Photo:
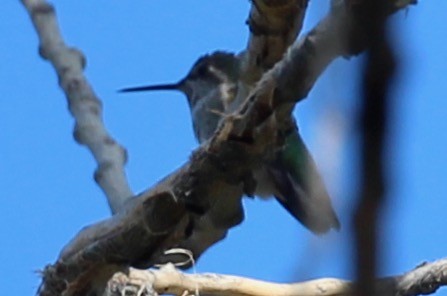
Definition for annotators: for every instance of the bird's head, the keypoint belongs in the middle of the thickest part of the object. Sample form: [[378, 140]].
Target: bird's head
[[207, 74]]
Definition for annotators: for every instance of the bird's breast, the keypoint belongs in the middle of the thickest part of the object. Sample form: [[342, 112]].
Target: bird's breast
[[206, 116], [265, 188]]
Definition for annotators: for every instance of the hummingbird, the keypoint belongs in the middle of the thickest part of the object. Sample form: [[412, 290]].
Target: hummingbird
[[211, 88]]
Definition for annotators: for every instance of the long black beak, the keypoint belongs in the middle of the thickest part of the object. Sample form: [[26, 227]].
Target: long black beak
[[171, 86]]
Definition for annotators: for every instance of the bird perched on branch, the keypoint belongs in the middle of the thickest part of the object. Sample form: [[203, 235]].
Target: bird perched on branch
[[211, 87]]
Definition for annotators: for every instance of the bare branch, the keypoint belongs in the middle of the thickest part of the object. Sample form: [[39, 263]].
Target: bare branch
[[424, 279], [274, 26], [339, 34], [83, 104]]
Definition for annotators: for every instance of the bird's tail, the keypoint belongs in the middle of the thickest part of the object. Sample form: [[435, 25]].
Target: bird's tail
[[300, 188]]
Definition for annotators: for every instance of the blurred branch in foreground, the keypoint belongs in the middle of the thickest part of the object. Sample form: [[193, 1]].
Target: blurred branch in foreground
[[378, 74]]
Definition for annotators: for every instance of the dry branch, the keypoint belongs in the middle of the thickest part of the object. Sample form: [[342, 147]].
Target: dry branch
[[196, 205], [83, 104], [274, 26], [424, 279]]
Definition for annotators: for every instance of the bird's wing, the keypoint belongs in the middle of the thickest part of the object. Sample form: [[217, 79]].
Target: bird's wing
[[300, 188]]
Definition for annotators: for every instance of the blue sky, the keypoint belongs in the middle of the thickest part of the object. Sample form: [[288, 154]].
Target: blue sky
[[48, 193]]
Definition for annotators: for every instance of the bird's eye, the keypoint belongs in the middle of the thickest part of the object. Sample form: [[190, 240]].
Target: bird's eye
[[202, 70]]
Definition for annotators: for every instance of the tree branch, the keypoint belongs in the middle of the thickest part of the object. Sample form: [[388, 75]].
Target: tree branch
[[274, 25], [424, 279], [84, 105], [378, 73]]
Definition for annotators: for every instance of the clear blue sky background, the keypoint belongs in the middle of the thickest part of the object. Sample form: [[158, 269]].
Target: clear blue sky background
[[47, 190]]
